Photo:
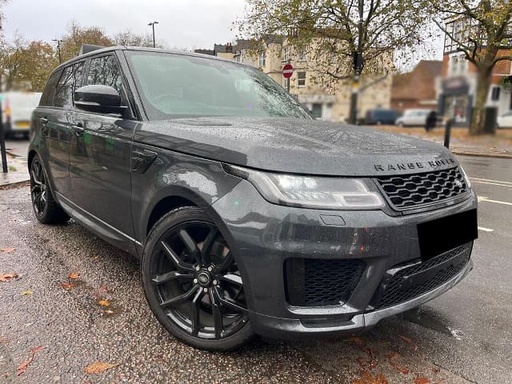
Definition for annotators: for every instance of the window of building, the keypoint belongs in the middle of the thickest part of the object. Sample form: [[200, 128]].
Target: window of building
[[262, 59], [286, 53], [316, 111], [495, 93], [70, 80], [458, 65], [302, 56], [301, 79]]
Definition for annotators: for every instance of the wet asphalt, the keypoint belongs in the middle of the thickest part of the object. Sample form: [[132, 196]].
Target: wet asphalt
[[463, 336]]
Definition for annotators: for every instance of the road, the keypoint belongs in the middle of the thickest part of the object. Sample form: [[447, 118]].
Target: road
[[463, 336]]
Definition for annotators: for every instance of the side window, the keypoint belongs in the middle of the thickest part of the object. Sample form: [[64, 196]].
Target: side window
[[49, 90], [105, 71], [70, 80]]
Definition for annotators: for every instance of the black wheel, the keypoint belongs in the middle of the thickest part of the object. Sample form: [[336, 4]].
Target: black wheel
[[46, 209], [193, 284]]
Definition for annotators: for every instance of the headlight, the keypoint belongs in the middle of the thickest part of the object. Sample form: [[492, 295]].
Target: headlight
[[309, 191], [468, 182]]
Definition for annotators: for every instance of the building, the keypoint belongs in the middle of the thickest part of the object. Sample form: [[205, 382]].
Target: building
[[457, 88], [418, 88], [329, 103]]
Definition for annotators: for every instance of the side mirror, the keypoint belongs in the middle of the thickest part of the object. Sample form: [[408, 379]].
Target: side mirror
[[99, 98]]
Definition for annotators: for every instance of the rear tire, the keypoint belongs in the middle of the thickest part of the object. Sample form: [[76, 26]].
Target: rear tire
[[46, 209]]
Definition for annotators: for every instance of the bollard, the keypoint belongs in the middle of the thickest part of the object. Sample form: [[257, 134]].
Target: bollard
[[447, 132], [2, 142]]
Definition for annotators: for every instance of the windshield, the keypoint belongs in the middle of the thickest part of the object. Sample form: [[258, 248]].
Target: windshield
[[173, 85]]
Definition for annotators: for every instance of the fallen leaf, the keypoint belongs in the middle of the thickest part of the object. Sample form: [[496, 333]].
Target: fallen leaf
[[8, 276], [355, 339], [26, 292], [7, 250], [104, 303], [66, 286], [402, 370], [23, 366], [368, 378], [421, 380], [74, 275], [407, 340], [98, 367]]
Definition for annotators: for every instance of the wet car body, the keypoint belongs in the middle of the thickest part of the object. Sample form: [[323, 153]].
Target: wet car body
[[304, 270]]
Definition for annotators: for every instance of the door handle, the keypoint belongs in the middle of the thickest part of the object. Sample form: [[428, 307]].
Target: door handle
[[79, 129]]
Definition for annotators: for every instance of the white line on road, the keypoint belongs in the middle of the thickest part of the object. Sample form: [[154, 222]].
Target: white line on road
[[498, 183], [486, 199], [485, 229]]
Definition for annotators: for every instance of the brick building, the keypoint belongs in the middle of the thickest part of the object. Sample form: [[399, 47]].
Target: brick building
[[416, 89]]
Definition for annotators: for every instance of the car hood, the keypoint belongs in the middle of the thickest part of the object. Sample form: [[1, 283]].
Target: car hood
[[296, 145]]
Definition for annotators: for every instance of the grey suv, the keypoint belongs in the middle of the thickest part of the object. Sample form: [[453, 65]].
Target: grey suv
[[248, 216]]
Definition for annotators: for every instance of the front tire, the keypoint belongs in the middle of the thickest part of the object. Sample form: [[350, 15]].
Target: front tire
[[193, 284], [46, 209]]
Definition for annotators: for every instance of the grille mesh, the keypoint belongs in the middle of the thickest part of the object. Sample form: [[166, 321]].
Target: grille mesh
[[394, 290], [410, 191], [317, 282]]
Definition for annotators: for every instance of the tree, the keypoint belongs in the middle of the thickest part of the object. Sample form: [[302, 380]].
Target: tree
[[129, 38], [343, 38], [481, 30], [76, 36]]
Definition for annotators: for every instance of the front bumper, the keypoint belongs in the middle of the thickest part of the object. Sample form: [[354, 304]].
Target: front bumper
[[386, 274]]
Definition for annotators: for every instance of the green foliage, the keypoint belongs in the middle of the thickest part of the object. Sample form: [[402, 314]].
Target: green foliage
[[76, 36], [330, 31]]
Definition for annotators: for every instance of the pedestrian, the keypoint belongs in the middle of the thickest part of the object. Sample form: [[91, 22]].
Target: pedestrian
[[431, 121]]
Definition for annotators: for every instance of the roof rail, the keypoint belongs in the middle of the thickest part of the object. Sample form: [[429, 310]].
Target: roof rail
[[86, 48]]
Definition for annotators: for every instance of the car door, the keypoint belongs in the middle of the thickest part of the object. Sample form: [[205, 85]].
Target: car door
[[53, 118], [100, 157]]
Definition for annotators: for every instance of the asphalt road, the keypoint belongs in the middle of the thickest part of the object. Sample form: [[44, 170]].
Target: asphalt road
[[464, 336]]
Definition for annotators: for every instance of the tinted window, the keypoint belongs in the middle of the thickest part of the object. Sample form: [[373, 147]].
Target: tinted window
[[70, 80], [49, 90], [180, 85], [105, 71]]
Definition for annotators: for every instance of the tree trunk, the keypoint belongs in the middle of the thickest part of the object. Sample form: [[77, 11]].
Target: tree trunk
[[478, 116]]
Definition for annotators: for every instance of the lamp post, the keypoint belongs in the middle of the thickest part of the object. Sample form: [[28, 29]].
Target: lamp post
[[152, 25], [58, 48], [357, 66]]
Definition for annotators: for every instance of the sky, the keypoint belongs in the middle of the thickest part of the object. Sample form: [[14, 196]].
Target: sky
[[182, 24]]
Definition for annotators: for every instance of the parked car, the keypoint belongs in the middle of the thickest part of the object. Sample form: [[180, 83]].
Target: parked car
[[249, 217], [504, 121], [413, 117], [17, 107], [380, 116]]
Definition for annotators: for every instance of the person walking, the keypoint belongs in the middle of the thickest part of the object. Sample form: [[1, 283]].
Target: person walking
[[431, 121]]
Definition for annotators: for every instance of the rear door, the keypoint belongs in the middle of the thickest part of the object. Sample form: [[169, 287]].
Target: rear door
[[101, 156]]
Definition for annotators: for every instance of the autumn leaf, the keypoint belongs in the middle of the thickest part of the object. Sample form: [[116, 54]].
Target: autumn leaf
[[368, 378], [98, 367], [421, 380], [104, 303], [66, 286], [407, 340], [8, 276], [7, 250], [402, 370], [23, 366], [27, 292], [74, 275]]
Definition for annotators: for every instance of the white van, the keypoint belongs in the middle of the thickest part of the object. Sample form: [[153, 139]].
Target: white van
[[17, 110], [413, 117]]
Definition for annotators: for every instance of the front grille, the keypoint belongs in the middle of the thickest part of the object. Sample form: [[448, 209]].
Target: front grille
[[413, 191], [317, 282], [401, 283]]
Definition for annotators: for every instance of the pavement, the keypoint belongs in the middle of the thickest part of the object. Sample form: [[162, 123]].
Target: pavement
[[461, 143]]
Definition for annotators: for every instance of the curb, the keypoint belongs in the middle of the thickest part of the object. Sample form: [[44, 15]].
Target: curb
[[476, 154]]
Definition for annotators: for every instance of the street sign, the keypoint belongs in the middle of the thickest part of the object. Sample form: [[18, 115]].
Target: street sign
[[287, 71]]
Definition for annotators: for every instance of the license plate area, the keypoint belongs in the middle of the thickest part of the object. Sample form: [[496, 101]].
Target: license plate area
[[441, 235]]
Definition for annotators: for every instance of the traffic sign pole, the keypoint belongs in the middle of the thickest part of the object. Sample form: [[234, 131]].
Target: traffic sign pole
[[287, 73], [2, 142]]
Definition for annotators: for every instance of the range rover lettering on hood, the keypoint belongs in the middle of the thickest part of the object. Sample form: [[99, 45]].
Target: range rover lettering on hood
[[414, 166]]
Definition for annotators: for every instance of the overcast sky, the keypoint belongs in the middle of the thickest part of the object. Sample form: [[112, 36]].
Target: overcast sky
[[184, 24]]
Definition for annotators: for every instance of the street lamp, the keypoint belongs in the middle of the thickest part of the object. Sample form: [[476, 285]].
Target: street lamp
[[152, 25], [357, 66], [58, 48]]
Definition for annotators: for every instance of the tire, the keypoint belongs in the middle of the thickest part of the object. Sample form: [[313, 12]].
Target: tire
[[192, 282], [401, 124], [46, 209]]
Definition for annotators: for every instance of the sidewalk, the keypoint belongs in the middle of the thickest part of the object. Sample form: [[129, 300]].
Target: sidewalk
[[461, 143]]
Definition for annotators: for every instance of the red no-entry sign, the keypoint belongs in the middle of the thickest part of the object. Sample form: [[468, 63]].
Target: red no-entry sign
[[287, 71]]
